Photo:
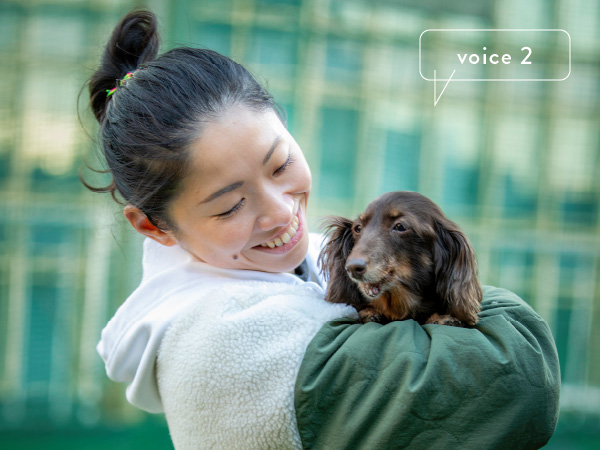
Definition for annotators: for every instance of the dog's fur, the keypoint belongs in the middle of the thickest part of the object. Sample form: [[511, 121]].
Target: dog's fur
[[402, 259]]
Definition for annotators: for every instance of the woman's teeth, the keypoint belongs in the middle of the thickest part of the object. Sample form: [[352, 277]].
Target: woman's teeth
[[285, 237]]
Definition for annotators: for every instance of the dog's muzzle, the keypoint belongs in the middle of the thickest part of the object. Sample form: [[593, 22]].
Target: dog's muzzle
[[356, 268]]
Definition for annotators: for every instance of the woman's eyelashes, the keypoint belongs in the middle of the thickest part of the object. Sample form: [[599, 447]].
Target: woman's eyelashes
[[232, 211], [289, 161]]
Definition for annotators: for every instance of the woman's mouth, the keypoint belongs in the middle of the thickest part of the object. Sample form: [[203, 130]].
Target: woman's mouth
[[286, 240]]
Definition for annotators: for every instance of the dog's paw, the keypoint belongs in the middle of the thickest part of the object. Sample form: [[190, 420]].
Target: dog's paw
[[445, 320], [370, 315]]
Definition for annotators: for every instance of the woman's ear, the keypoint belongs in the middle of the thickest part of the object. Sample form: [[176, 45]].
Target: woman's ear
[[142, 225]]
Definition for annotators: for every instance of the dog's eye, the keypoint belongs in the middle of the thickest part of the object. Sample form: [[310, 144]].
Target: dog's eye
[[400, 227], [357, 228]]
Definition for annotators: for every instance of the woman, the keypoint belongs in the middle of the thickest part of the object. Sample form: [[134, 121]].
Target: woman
[[228, 332]]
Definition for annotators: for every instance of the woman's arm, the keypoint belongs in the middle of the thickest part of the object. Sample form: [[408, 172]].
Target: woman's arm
[[403, 385]]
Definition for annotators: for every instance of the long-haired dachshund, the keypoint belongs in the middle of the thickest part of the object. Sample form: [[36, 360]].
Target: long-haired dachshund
[[402, 259]]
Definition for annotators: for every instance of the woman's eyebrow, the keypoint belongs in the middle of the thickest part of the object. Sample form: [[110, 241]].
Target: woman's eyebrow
[[225, 190], [272, 149]]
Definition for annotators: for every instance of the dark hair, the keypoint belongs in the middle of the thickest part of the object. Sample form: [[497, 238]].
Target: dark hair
[[149, 121]]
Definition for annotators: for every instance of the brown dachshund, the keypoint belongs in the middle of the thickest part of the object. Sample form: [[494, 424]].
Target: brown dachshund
[[402, 259]]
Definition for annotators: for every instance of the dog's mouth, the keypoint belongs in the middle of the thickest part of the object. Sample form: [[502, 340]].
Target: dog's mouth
[[372, 290]]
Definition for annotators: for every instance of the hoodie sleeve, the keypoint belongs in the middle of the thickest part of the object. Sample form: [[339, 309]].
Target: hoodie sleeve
[[403, 385]]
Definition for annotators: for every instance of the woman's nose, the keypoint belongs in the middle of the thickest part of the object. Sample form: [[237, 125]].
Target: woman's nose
[[276, 211]]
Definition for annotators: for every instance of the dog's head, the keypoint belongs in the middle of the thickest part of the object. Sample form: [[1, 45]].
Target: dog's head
[[402, 241]]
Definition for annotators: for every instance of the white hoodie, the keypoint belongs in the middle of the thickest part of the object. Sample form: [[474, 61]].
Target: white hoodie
[[173, 282]]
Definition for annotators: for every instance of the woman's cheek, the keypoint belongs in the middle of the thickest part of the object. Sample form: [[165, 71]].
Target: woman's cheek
[[232, 235]]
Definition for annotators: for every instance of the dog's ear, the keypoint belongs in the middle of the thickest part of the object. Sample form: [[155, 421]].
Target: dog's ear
[[340, 288], [456, 272]]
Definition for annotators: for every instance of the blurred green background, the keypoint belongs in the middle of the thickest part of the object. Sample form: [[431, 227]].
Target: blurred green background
[[516, 164]]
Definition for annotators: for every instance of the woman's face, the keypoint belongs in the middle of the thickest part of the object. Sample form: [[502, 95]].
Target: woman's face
[[243, 203]]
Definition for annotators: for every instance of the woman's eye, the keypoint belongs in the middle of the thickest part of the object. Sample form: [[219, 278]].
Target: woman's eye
[[400, 227], [232, 211], [285, 165]]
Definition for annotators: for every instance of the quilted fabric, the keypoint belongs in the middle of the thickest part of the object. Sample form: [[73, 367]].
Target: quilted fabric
[[403, 385]]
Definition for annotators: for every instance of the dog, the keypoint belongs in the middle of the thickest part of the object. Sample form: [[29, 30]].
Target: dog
[[402, 259]]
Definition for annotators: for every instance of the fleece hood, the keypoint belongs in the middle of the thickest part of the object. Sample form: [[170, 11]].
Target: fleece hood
[[172, 282]]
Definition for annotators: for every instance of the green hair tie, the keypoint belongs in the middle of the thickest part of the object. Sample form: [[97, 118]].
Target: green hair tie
[[127, 76]]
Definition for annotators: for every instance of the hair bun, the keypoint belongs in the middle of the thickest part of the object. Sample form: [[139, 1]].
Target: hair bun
[[133, 42]]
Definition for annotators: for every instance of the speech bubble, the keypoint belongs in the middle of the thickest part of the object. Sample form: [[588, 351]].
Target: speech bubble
[[494, 55]]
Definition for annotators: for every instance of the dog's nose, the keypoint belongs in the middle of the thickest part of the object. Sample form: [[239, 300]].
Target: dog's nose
[[356, 267]]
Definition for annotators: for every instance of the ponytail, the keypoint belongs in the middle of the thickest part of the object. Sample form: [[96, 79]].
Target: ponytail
[[134, 42]]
